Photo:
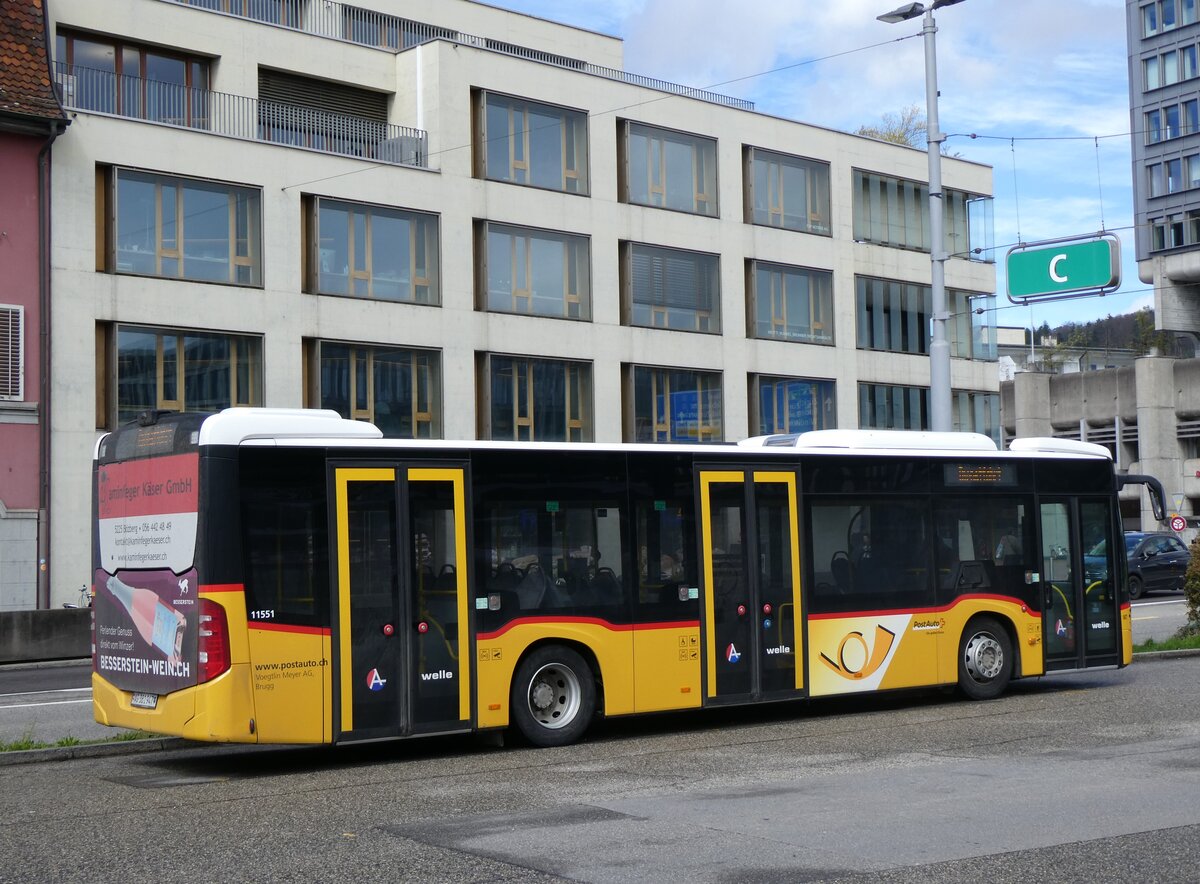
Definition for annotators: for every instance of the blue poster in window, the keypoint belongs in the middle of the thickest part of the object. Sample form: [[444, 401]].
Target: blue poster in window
[[685, 414], [800, 407]]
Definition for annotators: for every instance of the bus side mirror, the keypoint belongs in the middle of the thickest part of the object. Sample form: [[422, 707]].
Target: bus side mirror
[[1155, 489]]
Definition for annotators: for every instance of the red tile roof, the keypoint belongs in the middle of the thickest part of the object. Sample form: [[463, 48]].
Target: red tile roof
[[25, 86]]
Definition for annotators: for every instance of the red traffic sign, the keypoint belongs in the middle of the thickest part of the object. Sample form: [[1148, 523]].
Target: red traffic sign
[[1178, 523]]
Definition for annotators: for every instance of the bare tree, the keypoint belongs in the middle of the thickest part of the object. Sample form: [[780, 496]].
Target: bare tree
[[907, 127]]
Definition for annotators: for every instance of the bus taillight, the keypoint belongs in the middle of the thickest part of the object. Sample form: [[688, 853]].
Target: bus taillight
[[214, 641]]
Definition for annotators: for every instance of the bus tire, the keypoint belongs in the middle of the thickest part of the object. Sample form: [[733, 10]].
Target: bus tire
[[985, 659], [553, 696]]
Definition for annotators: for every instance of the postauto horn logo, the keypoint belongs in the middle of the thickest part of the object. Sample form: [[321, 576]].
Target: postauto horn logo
[[856, 658]]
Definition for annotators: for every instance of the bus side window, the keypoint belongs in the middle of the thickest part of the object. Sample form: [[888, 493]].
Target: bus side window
[[665, 571]]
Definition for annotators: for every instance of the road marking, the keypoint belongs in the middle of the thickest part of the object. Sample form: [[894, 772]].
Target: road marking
[[36, 693], [52, 703]]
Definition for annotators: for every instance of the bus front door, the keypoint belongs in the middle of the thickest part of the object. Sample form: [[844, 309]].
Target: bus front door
[[1081, 618], [751, 566], [402, 621]]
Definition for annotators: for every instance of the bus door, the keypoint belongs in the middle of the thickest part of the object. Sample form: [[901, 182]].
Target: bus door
[[1081, 615], [751, 565], [402, 622]]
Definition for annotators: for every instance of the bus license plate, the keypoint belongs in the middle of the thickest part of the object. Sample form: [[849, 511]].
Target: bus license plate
[[144, 701]]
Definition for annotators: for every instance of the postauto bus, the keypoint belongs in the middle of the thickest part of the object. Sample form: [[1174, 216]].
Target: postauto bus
[[288, 576]]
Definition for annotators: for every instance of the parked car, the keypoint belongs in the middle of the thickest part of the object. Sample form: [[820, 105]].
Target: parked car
[[1156, 561]]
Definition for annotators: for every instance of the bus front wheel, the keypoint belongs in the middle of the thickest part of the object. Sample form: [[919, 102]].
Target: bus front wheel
[[553, 696], [985, 659]]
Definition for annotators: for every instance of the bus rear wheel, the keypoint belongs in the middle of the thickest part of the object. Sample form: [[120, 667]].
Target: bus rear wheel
[[985, 659], [553, 696]]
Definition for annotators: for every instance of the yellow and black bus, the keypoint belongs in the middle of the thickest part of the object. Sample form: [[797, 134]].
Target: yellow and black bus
[[288, 576]]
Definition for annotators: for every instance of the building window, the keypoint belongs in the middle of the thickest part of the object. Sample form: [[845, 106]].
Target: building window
[[1172, 121], [1151, 75], [975, 412], [889, 407], [1174, 175], [786, 191], [1165, 15], [523, 142], [891, 211], [1154, 132], [895, 212], [1170, 68], [895, 316], [184, 228], [535, 400], [673, 405], [398, 390], [670, 170], [1187, 62], [1191, 171], [790, 303], [174, 370], [538, 272], [107, 76], [12, 352], [671, 288], [1157, 186], [370, 251], [1173, 231], [791, 405]]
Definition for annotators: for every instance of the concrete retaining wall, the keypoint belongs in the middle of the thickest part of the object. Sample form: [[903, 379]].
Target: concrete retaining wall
[[62, 634]]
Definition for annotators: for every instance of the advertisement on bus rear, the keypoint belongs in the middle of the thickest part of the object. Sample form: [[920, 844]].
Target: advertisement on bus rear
[[146, 605], [146, 629], [146, 512]]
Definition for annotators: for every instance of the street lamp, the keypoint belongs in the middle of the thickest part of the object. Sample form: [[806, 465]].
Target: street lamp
[[939, 348]]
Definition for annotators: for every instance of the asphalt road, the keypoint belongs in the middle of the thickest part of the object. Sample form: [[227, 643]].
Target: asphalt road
[[1083, 778]]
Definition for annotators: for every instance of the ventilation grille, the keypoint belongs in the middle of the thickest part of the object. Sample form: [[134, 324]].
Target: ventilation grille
[[12, 353], [334, 98]]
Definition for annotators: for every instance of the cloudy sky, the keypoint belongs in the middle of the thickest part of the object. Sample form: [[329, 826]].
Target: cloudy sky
[[1051, 71]]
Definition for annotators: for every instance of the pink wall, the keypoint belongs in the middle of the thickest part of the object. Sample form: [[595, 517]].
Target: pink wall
[[19, 285]]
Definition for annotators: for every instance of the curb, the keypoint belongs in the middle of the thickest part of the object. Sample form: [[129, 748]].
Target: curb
[[96, 750], [1166, 655]]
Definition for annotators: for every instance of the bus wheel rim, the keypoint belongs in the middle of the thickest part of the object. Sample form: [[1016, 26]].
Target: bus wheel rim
[[984, 657], [554, 696]]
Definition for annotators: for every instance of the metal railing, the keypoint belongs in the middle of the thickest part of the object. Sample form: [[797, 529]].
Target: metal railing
[[170, 104], [366, 27]]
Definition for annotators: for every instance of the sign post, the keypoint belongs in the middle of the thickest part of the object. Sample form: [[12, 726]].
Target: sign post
[[1054, 269]]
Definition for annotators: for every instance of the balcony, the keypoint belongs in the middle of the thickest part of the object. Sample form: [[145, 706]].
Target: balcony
[[366, 27], [235, 116]]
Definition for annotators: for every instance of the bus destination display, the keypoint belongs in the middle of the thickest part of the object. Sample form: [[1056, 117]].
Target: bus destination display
[[958, 475]]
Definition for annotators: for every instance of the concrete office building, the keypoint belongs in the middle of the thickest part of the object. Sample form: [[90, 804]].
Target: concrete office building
[[462, 222], [1164, 110], [1147, 414]]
